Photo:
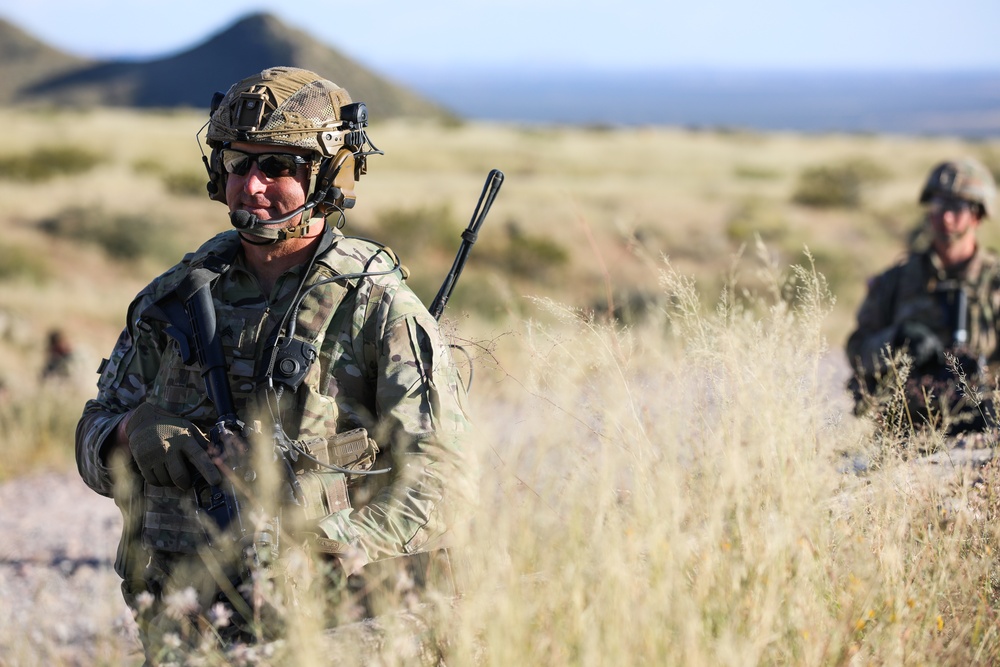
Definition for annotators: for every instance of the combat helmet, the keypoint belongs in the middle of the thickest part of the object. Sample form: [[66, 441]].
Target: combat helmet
[[965, 178], [289, 106]]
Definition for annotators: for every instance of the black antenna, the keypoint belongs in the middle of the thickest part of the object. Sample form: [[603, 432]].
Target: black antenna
[[493, 182]]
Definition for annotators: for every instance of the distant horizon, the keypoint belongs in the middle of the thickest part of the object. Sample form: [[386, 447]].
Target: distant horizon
[[550, 70], [948, 97], [964, 104]]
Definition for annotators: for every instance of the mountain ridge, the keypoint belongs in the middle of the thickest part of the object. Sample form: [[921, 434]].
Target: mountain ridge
[[35, 73]]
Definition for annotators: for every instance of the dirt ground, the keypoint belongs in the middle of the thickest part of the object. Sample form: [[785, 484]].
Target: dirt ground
[[57, 581]]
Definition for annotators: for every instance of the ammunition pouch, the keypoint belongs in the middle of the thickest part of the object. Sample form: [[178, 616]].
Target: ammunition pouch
[[326, 491], [352, 450]]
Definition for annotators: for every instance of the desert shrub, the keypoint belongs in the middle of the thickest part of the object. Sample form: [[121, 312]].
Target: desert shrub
[[185, 183], [630, 306], [121, 236], [838, 186], [18, 262], [755, 172], [35, 427], [524, 255], [415, 230], [48, 162], [148, 166], [754, 217], [485, 294]]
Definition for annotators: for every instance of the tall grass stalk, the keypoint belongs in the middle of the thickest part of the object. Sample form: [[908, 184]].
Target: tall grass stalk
[[37, 427], [674, 498], [672, 494]]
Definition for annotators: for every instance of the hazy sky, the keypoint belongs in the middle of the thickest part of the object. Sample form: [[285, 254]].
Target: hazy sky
[[399, 35]]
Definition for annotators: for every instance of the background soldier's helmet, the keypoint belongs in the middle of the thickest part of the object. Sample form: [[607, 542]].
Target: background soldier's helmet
[[967, 179], [288, 106]]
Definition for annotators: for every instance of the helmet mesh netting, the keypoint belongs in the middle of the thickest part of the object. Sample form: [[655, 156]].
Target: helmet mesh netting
[[302, 115]]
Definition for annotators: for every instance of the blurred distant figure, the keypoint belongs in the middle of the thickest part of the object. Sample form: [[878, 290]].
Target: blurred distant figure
[[939, 305], [59, 357]]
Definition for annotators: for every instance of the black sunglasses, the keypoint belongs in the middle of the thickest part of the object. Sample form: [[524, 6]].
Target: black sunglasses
[[272, 165], [940, 205]]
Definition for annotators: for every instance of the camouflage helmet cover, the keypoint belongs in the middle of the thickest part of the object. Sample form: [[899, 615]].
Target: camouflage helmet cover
[[965, 178], [285, 106]]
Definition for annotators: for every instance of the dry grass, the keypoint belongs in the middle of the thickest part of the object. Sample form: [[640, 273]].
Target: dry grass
[[666, 493]]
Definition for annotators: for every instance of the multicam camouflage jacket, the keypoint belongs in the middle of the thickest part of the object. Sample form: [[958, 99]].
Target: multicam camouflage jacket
[[919, 289], [382, 365]]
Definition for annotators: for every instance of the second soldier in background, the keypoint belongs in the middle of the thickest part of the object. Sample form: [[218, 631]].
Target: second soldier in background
[[940, 305]]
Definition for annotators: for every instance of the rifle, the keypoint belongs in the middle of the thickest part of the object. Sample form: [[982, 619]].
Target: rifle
[[189, 314], [490, 189]]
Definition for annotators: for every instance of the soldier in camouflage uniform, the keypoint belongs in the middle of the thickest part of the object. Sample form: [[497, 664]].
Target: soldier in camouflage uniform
[[939, 305], [322, 337]]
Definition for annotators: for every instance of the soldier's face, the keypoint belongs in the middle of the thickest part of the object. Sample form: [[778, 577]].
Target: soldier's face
[[265, 196], [952, 220]]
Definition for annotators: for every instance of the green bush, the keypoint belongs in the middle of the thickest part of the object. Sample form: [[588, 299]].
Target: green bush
[[122, 237], [484, 294], [752, 217], [415, 230], [755, 172], [46, 163], [186, 184], [148, 166], [19, 262], [524, 255], [36, 427], [183, 183], [838, 186]]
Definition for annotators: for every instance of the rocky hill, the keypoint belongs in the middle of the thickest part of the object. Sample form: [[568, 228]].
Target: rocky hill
[[32, 72]]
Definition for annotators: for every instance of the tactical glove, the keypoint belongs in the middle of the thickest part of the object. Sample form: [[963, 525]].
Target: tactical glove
[[168, 449], [921, 343]]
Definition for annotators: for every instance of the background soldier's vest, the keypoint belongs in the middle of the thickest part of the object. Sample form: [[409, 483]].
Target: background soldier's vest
[[962, 313]]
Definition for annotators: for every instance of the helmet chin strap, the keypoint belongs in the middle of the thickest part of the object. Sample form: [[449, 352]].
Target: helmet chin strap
[[268, 235]]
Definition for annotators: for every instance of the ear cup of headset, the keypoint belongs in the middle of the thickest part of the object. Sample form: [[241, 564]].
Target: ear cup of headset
[[337, 174], [216, 185]]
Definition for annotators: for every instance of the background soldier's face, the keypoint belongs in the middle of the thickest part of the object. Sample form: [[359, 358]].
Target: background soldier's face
[[952, 219]]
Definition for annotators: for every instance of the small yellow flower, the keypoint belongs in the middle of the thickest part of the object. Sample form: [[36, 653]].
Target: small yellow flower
[[940, 623], [860, 625]]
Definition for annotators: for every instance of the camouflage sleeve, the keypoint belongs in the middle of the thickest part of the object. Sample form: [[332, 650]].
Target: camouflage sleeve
[[122, 386], [422, 416], [875, 326]]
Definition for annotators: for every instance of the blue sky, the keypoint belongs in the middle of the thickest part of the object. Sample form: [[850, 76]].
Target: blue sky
[[403, 35]]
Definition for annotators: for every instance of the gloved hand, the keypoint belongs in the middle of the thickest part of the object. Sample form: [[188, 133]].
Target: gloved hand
[[168, 449], [923, 344]]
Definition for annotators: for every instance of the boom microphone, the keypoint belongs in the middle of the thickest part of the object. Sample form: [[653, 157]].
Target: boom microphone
[[242, 219], [245, 220]]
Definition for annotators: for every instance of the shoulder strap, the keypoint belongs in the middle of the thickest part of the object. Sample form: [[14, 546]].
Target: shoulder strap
[[319, 311], [371, 312]]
